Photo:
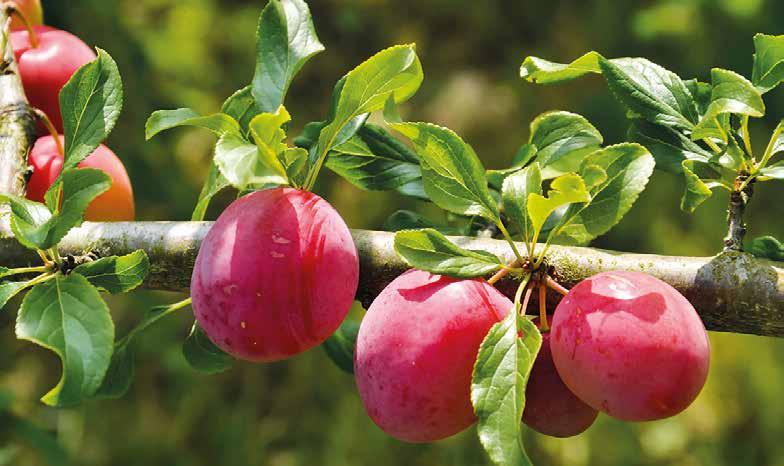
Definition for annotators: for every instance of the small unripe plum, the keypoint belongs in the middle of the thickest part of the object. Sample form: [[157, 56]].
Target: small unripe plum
[[416, 351], [115, 205], [630, 345], [32, 11], [550, 407], [275, 276], [45, 69]]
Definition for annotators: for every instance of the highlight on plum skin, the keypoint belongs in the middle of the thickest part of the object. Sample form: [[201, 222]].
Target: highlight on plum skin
[[550, 407], [630, 345], [416, 350], [275, 276]]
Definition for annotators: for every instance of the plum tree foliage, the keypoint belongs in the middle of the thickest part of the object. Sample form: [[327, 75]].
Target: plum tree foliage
[[440, 348]]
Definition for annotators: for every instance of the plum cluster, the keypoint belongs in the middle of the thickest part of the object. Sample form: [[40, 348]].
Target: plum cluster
[[47, 59]]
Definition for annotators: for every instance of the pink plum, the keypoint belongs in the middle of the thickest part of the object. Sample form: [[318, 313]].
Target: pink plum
[[630, 345], [275, 276]]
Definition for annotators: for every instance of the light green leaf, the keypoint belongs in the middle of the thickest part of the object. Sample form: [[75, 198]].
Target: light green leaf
[[432, 252], [539, 71], [10, 289], [731, 94], [67, 316], [90, 104], [700, 179], [341, 345], [768, 69], [515, 194], [243, 163], [203, 355], [295, 161], [241, 106], [564, 190], [773, 172], [218, 123], [453, 175], [562, 140], [116, 274], [498, 386], [267, 132], [29, 220], [286, 40]]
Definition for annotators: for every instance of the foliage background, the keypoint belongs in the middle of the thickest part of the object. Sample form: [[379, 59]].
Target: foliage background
[[194, 53]]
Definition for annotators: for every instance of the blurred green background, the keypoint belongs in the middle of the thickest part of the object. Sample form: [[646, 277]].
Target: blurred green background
[[195, 53]]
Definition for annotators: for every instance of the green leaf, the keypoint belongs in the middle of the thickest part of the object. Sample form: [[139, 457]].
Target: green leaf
[[241, 106], [767, 247], [515, 194], [656, 94], [243, 163], [10, 289], [668, 147], [562, 140], [539, 71], [203, 355], [215, 183], [698, 190], [453, 175], [564, 190], [768, 69], [731, 94], [286, 40], [116, 274], [90, 104], [67, 316], [295, 161], [432, 252], [341, 345], [498, 386], [29, 220], [374, 160], [218, 123], [772, 172], [627, 168], [701, 92]]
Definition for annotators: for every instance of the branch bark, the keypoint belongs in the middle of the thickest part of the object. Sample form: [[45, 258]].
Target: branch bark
[[733, 292]]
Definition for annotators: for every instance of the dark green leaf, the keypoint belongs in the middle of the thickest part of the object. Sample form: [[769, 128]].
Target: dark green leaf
[[203, 355], [242, 107], [669, 147], [90, 104], [515, 194], [768, 69], [215, 183], [432, 252], [562, 140], [29, 220], [67, 316], [700, 179], [767, 247], [10, 289], [295, 161], [524, 155], [539, 71], [116, 274], [341, 345], [218, 123]]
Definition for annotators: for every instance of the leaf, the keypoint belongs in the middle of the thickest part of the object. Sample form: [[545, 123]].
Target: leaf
[[116, 274], [562, 140], [28, 220], [564, 190], [432, 252], [374, 160], [341, 345], [539, 71], [656, 94], [215, 183], [668, 147], [767, 247], [241, 106], [731, 94], [67, 316], [10, 289], [268, 134], [203, 355], [218, 123], [90, 104], [242, 163], [697, 190], [768, 70], [453, 175], [515, 194], [773, 172], [286, 40], [295, 161], [627, 168], [498, 386]]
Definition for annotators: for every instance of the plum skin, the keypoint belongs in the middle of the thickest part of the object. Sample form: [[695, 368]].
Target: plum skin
[[630, 345], [416, 350], [550, 407], [275, 276]]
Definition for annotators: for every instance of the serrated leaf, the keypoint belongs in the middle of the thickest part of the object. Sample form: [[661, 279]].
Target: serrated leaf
[[10, 289], [243, 163], [432, 252], [162, 120], [453, 175], [286, 40], [241, 106], [562, 140], [767, 247], [203, 355], [627, 168], [116, 274], [341, 345], [768, 70], [564, 190], [539, 71], [514, 195], [28, 220], [67, 316], [731, 94], [668, 147], [500, 376], [90, 104], [697, 190], [651, 91]]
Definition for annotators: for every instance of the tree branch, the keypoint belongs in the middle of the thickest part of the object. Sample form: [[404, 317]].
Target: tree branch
[[733, 292]]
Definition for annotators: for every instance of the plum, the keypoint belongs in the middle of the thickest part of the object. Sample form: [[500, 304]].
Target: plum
[[550, 407], [630, 345], [275, 276], [416, 351]]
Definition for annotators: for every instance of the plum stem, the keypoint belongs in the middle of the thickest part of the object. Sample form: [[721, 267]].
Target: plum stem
[[13, 9], [543, 325], [555, 285], [44, 118], [528, 291]]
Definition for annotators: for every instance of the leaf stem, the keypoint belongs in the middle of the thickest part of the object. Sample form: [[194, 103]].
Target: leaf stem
[[511, 242], [12, 8], [769, 149], [543, 325], [712, 145], [24, 270], [518, 295], [44, 118], [555, 285], [514, 265]]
